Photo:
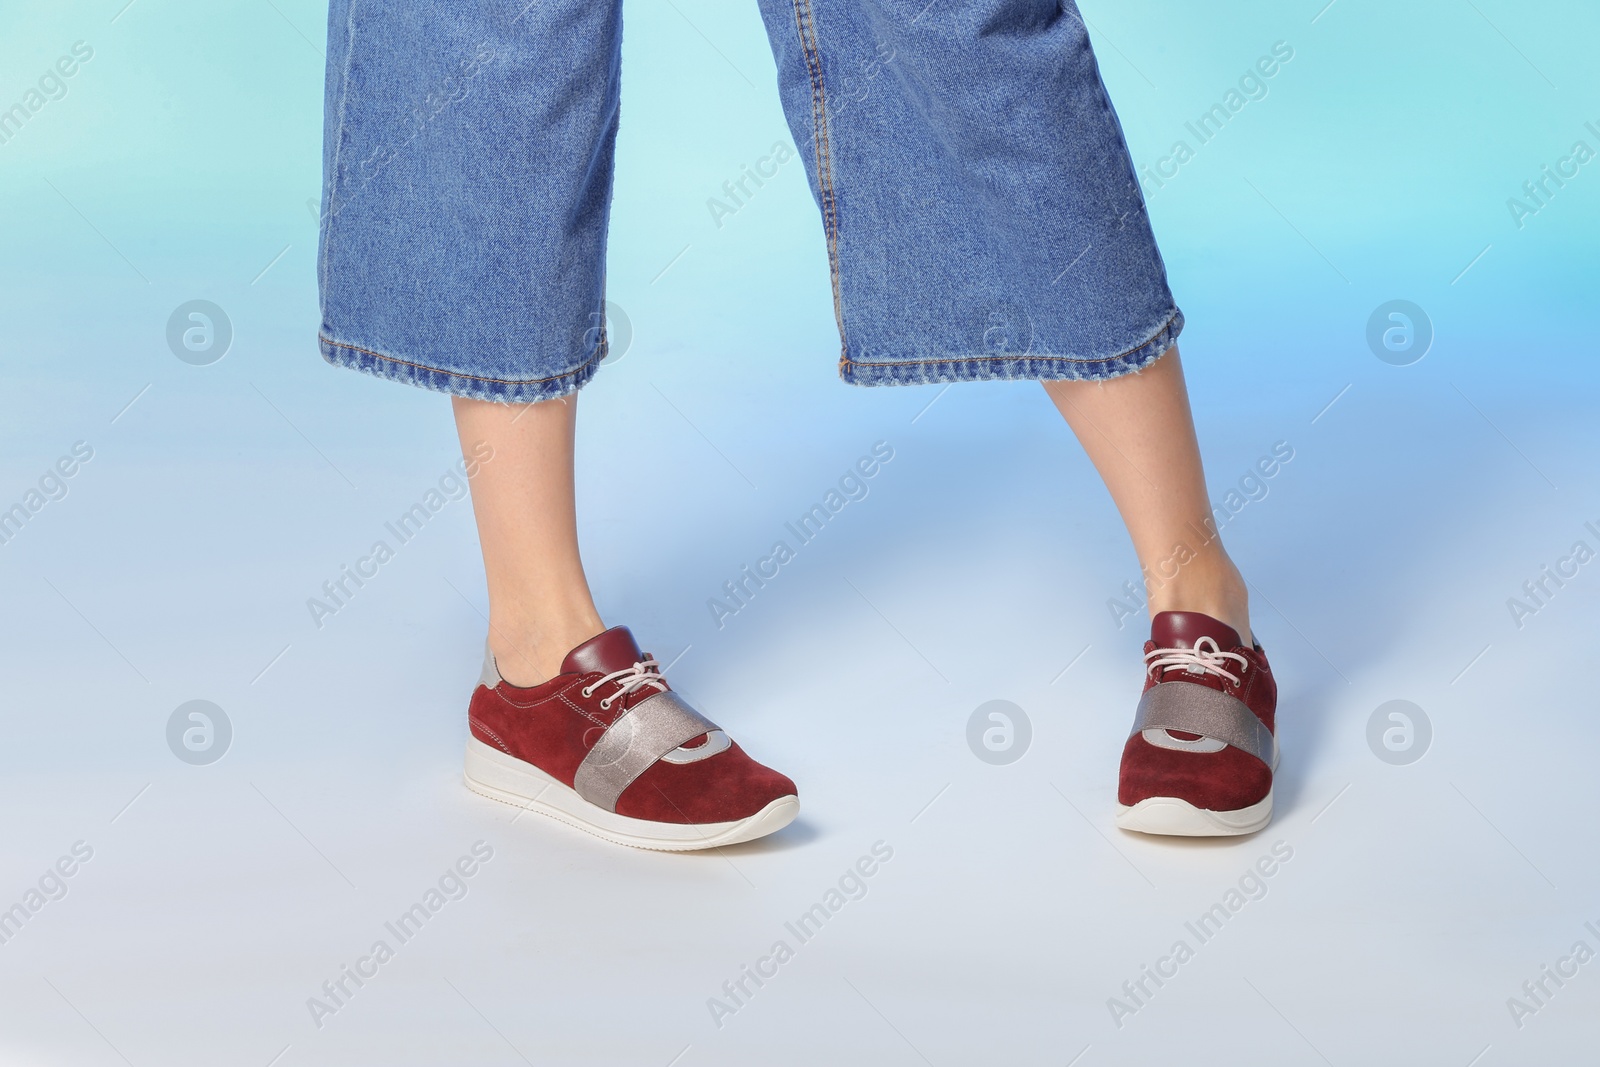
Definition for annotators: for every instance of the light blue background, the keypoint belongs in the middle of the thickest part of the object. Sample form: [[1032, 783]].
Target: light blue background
[[180, 165]]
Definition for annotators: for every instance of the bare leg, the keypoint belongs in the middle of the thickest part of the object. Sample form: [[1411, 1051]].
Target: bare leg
[[1139, 433], [539, 602]]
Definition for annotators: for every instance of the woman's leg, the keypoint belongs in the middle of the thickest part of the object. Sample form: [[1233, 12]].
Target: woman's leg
[[984, 220], [1138, 431], [1200, 759], [571, 719], [468, 163], [539, 601], [468, 157]]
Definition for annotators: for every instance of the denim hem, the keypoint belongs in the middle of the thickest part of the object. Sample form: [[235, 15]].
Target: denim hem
[[467, 385], [806, 28], [967, 368]]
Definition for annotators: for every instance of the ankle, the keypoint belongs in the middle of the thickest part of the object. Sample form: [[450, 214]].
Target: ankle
[[529, 652], [1217, 590]]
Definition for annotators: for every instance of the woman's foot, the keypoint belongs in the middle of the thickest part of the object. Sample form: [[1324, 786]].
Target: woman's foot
[[606, 745], [1200, 759]]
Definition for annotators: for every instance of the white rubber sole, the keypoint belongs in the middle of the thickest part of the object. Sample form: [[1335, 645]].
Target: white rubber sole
[[505, 778], [1173, 817]]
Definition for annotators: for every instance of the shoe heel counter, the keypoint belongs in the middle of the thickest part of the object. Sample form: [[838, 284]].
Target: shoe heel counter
[[491, 673]]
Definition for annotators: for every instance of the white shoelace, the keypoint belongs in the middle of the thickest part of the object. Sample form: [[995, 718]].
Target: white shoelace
[[644, 672], [1196, 660]]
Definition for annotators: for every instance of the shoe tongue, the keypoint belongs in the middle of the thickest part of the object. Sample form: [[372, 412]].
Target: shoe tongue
[[613, 650], [1181, 629]]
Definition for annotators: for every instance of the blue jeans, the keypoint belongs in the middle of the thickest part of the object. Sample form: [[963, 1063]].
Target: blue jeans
[[980, 212]]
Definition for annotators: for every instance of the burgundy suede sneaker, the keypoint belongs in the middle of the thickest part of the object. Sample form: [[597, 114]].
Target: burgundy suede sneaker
[[608, 747], [1200, 759]]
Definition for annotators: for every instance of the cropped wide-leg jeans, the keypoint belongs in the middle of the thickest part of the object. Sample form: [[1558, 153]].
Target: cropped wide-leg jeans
[[979, 211]]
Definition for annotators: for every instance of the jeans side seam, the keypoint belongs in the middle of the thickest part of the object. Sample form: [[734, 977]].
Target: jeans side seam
[[1015, 357], [805, 25], [599, 355], [326, 221], [1130, 174]]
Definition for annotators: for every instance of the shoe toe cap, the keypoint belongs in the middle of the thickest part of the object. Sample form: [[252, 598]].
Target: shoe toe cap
[[722, 788], [1225, 780]]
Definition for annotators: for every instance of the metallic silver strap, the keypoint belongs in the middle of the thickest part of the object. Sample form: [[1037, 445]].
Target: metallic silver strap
[[1199, 709], [633, 743]]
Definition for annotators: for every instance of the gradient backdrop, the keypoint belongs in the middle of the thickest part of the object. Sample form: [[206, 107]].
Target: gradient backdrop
[[1426, 884]]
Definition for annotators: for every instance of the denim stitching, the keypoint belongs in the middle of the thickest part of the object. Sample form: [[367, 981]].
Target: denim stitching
[[1130, 176], [458, 374], [805, 25], [1041, 358], [326, 222]]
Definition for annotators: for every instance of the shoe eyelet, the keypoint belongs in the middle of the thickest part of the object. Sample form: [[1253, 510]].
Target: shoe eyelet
[[605, 705], [588, 691]]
